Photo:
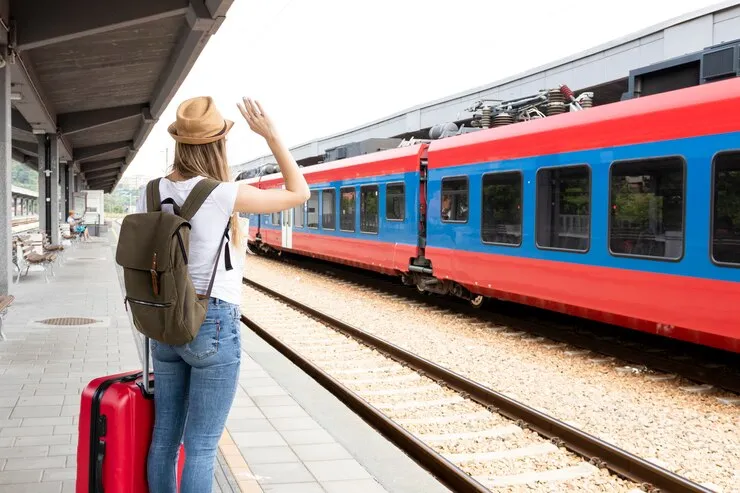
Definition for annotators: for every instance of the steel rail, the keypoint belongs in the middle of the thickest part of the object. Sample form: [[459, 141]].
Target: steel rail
[[597, 451], [444, 470]]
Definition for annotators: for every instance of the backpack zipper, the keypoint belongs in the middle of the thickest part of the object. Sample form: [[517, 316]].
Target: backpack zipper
[[127, 300]]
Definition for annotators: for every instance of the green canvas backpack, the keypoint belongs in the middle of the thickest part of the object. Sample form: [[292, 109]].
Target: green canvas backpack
[[153, 250]]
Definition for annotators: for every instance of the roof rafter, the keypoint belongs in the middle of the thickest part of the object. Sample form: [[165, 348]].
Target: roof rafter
[[45, 22], [89, 166], [79, 121]]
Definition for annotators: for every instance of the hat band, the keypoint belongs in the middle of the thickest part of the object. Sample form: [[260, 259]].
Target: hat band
[[220, 132]]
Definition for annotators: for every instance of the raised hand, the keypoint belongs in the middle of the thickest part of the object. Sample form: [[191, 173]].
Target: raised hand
[[257, 119]]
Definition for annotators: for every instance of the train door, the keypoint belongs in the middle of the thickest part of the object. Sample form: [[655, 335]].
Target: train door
[[287, 227]]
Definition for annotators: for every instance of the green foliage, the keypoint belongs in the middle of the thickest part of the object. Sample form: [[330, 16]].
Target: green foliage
[[727, 199], [119, 201], [24, 177]]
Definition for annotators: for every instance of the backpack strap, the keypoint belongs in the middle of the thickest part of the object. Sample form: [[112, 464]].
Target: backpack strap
[[196, 197], [153, 200], [195, 200], [218, 254]]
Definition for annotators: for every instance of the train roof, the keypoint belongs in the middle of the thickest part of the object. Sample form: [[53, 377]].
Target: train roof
[[700, 110], [381, 163]]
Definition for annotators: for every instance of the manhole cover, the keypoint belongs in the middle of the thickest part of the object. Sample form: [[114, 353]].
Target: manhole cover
[[69, 321]]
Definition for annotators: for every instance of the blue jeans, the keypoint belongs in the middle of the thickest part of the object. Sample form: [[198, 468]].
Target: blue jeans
[[194, 388]]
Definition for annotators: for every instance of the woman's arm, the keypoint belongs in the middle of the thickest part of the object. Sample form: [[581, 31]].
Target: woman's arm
[[253, 200]]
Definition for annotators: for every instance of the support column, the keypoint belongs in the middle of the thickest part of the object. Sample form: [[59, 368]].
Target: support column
[[6, 164], [43, 182], [54, 158], [70, 187]]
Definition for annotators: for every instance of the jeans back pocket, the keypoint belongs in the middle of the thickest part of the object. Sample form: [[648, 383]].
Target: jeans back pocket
[[206, 342]]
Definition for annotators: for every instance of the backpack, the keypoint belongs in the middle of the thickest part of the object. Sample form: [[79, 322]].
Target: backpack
[[153, 250]]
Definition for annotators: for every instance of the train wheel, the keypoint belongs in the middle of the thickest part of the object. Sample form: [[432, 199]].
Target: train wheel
[[477, 301]]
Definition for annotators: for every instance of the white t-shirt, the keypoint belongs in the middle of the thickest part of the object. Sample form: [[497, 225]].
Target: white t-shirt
[[205, 236]]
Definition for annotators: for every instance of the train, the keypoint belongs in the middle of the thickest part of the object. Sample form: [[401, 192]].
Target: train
[[626, 213]]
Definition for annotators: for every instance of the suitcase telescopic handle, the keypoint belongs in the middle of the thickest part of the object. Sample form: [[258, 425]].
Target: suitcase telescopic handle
[[145, 380]]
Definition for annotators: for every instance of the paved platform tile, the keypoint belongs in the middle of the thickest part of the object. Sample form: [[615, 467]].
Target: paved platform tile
[[282, 472], [337, 470], [321, 451], [311, 487], [268, 455]]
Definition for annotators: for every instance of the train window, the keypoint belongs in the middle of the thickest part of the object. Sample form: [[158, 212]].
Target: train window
[[275, 218], [726, 209], [454, 204], [564, 208], [298, 216], [647, 208], [313, 210], [501, 221], [347, 206], [328, 217], [369, 209], [395, 202]]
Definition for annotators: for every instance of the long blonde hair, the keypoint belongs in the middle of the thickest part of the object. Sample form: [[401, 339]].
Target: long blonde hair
[[207, 160]]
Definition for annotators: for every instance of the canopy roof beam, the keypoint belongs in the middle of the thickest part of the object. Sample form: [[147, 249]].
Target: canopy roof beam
[[80, 121], [46, 22]]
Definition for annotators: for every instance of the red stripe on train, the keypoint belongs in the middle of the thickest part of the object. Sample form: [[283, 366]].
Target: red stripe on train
[[695, 111], [655, 303]]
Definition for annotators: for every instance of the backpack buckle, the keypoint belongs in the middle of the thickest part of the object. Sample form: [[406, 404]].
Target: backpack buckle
[[155, 277]]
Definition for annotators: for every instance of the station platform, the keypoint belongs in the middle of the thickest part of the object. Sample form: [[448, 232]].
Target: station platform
[[285, 433]]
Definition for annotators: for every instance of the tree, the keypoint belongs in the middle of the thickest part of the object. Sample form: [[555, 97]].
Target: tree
[[24, 177]]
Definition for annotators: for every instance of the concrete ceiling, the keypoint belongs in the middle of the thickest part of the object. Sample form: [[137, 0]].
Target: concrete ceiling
[[99, 73]]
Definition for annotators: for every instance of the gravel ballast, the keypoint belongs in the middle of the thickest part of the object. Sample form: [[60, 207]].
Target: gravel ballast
[[692, 434], [493, 449]]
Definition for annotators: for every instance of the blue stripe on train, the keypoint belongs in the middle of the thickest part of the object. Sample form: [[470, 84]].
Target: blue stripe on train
[[697, 152], [388, 231]]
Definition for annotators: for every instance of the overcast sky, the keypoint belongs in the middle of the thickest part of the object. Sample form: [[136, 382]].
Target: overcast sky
[[322, 66]]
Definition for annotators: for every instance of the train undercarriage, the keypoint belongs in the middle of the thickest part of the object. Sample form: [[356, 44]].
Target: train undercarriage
[[422, 277]]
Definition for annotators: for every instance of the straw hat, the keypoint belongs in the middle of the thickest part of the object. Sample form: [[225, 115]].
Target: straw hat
[[199, 122]]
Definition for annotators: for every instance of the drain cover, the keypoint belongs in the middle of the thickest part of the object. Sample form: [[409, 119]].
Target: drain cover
[[69, 321]]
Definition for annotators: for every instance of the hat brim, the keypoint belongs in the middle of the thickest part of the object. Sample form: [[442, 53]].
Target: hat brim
[[172, 130]]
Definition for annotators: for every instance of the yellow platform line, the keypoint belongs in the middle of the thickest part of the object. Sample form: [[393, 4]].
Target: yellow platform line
[[239, 468]]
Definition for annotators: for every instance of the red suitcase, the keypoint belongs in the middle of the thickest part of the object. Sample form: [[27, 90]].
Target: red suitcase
[[115, 430]]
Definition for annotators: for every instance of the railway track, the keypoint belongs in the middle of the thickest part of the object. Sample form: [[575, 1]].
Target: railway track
[[472, 438], [24, 220], [658, 357]]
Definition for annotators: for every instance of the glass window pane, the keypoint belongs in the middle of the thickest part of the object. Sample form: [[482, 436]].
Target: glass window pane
[[275, 218], [298, 216], [313, 210], [726, 216], [502, 208], [347, 205], [395, 202], [369, 209], [328, 220], [563, 208], [647, 208], [454, 199]]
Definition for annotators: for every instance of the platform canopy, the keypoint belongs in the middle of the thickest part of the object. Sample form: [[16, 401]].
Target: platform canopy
[[99, 74]]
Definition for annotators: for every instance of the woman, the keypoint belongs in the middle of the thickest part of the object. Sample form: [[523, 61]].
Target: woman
[[195, 383]]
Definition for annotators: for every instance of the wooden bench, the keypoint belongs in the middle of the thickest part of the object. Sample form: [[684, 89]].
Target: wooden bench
[[5, 302], [26, 257]]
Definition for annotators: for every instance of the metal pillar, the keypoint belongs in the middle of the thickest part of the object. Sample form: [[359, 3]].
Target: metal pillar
[[6, 164], [43, 187], [70, 188], [53, 219]]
